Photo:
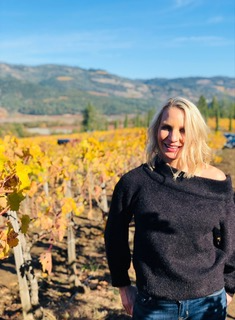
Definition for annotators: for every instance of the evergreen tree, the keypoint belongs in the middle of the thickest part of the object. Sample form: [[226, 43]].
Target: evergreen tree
[[203, 107], [137, 121], [106, 125], [225, 109], [126, 121], [216, 111], [231, 116], [116, 124], [90, 116]]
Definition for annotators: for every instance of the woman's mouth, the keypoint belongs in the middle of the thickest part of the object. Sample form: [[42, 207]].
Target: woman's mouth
[[171, 148]]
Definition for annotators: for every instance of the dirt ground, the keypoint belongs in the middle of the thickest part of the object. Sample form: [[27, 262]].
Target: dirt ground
[[95, 299]]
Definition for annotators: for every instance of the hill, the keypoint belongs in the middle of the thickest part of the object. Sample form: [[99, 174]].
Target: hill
[[57, 89]]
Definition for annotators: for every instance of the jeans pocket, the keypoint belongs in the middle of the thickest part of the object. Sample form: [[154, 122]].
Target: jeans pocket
[[143, 299], [149, 308]]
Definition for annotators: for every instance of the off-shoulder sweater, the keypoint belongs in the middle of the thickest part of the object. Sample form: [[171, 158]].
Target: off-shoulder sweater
[[184, 242]]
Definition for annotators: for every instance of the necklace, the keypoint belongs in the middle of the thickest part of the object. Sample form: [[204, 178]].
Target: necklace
[[176, 174]]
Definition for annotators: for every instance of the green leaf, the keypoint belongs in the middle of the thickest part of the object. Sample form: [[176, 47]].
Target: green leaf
[[25, 220], [14, 200]]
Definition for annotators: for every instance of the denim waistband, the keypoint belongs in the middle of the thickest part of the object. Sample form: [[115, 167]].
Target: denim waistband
[[216, 293], [147, 296]]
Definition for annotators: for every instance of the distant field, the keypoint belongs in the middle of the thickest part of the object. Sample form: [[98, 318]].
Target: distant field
[[68, 123], [22, 118]]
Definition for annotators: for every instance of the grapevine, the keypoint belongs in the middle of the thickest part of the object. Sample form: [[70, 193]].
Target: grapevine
[[47, 184]]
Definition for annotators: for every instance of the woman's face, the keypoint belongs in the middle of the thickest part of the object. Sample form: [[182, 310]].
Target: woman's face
[[171, 135]]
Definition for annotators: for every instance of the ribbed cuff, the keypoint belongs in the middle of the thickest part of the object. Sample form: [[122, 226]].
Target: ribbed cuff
[[121, 281]]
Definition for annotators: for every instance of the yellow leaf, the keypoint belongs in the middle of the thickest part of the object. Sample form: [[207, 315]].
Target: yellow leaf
[[3, 202], [2, 164], [4, 251], [35, 151], [4, 247], [46, 261], [61, 225], [22, 172], [12, 239], [67, 205]]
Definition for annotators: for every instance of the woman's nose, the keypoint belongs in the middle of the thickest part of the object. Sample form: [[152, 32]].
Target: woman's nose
[[174, 135]]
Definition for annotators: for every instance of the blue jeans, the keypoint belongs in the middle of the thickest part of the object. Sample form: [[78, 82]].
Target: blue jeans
[[212, 307]]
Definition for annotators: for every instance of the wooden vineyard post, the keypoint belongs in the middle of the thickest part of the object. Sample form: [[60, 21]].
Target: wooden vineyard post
[[71, 245], [46, 188], [34, 291], [104, 201], [22, 280], [31, 277], [30, 274]]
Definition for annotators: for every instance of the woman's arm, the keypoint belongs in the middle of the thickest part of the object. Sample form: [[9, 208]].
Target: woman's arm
[[128, 296], [228, 245], [229, 298], [116, 235]]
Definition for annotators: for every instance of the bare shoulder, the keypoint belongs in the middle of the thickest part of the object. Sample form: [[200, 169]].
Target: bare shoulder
[[211, 172]]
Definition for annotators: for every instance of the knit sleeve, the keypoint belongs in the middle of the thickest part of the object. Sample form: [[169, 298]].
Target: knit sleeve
[[116, 234], [229, 270]]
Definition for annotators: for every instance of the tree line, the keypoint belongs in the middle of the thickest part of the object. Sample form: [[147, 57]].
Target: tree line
[[94, 120]]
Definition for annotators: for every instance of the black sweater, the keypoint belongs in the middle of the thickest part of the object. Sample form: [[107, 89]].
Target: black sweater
[[176, 252]]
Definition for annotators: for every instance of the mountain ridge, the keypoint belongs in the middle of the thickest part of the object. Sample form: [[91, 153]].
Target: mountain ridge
[[59, 89]]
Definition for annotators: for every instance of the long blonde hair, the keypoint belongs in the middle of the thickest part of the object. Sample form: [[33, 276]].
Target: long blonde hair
[[196, 152]]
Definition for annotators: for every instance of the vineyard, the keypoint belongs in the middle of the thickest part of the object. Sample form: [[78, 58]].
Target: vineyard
[[54, 202]]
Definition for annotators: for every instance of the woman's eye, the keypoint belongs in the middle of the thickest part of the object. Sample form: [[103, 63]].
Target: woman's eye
[[182, 130], [165, 127]]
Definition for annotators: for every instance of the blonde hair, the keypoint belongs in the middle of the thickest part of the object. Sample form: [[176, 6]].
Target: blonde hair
[[196, 152]]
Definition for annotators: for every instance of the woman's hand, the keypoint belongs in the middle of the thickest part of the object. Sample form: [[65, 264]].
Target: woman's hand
[[229, 299], [128, 295]]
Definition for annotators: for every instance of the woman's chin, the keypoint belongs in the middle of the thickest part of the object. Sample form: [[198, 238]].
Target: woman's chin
[[170, 157]]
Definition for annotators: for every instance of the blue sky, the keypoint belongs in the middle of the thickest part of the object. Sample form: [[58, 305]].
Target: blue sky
[[130, 38]]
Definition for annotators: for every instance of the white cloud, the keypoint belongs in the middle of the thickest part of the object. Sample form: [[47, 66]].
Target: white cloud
[[76, 42], [184, 3], [215, 20], [203, 40]]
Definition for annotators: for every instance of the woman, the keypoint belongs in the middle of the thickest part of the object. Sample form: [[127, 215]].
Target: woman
[[184, 214]]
